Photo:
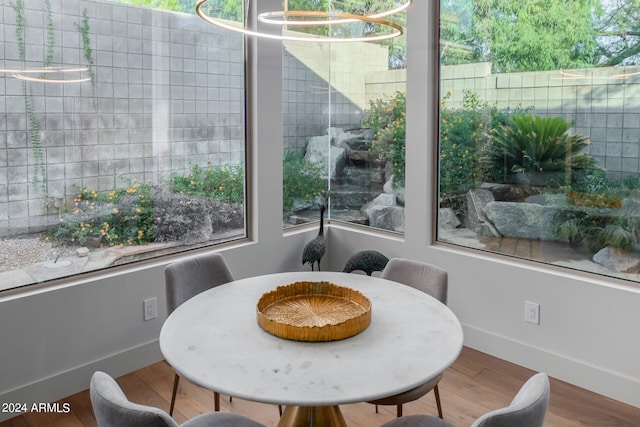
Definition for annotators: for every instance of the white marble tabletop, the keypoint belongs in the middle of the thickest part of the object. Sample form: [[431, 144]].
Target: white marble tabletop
[[215, 341]]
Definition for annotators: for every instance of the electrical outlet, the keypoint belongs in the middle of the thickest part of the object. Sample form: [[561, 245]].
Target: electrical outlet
[[150, 308], [532, 312]]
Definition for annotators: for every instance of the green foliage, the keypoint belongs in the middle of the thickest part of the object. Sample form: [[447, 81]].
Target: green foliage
[[618, 30], [632, 182], [50, 36], [387, 120], [39, 169], [223, 182], [301, 180], [462, 132], [536, 35], [86, 42], [126, 216], [532, 144], [592, 230], [96, 215], [464, 138]]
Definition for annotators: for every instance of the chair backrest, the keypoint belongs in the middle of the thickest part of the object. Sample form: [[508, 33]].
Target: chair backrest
[[428, 278], [527, 409], [190, 276], [112, 408]]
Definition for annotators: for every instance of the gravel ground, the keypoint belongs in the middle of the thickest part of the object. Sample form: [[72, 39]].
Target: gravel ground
[[17, 252]]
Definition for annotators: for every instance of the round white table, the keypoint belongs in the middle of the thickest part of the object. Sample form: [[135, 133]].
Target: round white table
[[214, 341]]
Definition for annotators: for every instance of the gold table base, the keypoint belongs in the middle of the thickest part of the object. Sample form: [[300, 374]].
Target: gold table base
[[312, 416]]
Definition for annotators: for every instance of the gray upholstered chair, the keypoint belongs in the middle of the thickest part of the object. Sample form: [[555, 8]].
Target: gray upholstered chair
[[185, 279], [433, 281], [112, 409], [527, 409]]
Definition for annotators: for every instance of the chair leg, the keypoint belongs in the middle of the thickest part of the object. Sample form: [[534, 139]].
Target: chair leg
[[399, 411], [437, 394], [216, 401], [376, 409], [176, 379], [280, 410]]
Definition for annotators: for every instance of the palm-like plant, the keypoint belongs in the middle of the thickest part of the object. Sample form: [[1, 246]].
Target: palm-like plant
[[529, 144]]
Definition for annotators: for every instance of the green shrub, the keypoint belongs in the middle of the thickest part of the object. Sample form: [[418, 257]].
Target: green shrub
[[594, 231], [222, 182], [462, 132], [387, 120], [532, 144], [301, 180], [119, 218]]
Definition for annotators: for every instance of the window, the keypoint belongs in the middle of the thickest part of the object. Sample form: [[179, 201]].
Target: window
[[344, 131], [539, 132], [129, 142]]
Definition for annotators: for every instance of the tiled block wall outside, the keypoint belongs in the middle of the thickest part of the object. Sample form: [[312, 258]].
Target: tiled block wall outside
[[311, 105], [324, 86]]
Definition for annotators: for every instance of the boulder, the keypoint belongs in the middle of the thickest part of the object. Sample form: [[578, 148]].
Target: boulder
[[190, 219], [397, 191], [523, 220], [506, 192], [618, 260], [476, 219], [447, 219], [383, 212], [319, 150], [387, 217]]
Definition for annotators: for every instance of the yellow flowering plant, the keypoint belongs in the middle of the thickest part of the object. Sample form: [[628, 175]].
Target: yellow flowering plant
[[97, 216], [218, 182]]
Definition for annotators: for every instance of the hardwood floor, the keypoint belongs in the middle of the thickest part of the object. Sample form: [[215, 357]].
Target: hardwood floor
[[475, 384]]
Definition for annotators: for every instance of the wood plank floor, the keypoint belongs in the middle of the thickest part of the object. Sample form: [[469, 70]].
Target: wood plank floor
[[475, 384]]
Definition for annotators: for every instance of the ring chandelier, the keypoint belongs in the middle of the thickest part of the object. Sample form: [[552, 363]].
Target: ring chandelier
[[23, 74], [268, 16], [313, 18]]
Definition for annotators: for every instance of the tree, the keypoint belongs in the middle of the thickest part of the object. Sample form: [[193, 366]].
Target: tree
[[619, 33], [456, 32], [536, 35]]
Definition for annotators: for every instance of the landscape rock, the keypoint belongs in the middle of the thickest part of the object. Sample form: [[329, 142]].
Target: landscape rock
[[523, 220], [447, 219], [191, 219], [319, 150], [384, 212], [618, 260], [506, 192], [82, 252], [397, 191], [476, 219]]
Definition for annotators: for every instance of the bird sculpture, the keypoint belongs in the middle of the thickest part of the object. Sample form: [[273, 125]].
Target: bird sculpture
[[367, 261], [314, 250]]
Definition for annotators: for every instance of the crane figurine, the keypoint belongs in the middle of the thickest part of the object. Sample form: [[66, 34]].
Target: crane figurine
[[367, 261], [314, 250]]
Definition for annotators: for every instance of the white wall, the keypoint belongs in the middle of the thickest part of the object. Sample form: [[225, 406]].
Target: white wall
[[54, 338]]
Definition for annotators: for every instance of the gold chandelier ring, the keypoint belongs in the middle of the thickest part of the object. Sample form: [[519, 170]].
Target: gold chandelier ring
[[397, 29], [272, 17]]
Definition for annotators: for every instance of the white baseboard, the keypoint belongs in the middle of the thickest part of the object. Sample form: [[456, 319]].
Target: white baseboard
[[574, 371], [63, 384]]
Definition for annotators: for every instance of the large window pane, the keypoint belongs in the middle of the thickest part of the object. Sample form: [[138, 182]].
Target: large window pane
[[140, 153], [344, 125], [539, 132]]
